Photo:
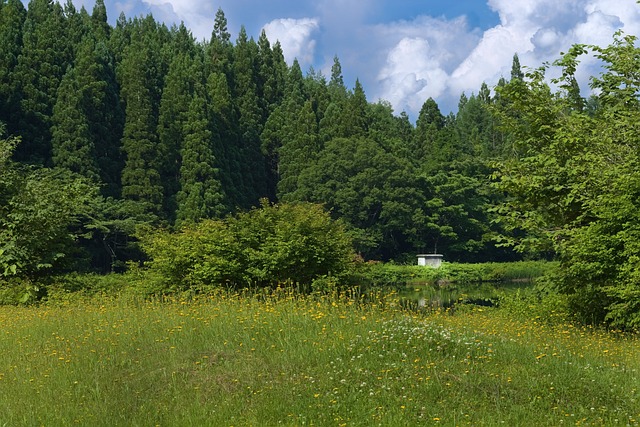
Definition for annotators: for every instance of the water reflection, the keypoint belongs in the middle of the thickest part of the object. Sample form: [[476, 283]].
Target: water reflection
[[428, 297]]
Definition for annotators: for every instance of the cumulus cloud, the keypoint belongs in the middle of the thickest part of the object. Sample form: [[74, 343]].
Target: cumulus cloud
[[197, 15], [412, 74], [442, 59], [420, 57], [295, 37]]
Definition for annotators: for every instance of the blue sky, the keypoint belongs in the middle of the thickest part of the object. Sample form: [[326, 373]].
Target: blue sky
[[405, 51]]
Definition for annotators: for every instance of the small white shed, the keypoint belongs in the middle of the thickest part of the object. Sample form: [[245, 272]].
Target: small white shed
[[430, 260]]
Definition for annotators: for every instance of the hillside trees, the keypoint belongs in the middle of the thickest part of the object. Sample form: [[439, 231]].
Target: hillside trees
[[201, 195], [175, 131], [87, 118]]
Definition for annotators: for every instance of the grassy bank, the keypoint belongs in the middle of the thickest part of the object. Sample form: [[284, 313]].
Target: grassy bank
[[384, 274], [248, 360]]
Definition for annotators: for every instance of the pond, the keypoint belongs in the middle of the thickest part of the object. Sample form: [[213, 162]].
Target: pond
[[425, 296]]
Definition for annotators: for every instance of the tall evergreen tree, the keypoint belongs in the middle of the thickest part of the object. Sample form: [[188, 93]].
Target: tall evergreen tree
[[250, 120], [427, 134], [315, 84], [120, 37], [12, 17], [200, 195], [184, 73], [73, 144], [78, 24], [355, 113], [45, 56], [99, 25], [281, 127], [223, 117], [141, 88], [87, 118], [297, 153], [337, 88], [516, 69], [270, 77], [220, 49]]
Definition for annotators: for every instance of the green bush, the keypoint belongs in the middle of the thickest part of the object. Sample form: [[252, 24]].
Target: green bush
[[536, 304], [269, 246], [66, 287], [18, 291]]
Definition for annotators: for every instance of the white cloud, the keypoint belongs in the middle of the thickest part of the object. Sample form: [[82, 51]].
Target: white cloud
[[197, 15], [418, 57], [444, 58], [181, 7], [295, 36], [412, 74]]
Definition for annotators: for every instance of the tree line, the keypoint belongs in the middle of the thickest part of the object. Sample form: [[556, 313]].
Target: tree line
[[174, 131]]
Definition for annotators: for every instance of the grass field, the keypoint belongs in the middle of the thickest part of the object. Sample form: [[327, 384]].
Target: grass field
[[245, 360]]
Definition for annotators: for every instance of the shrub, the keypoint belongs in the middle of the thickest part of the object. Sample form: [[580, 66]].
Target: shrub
[[269, 246]]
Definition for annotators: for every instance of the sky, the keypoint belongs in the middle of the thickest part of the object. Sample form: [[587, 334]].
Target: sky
[[405, 51]]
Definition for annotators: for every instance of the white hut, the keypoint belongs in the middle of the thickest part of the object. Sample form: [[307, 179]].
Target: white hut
[[430, 260]]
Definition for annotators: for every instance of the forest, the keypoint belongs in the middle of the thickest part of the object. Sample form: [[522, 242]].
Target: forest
[[113, 133]]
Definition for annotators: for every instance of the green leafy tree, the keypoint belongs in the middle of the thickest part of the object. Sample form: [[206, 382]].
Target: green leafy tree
[[292, 243], [39, 216], [274, 245], [573, 185], [375, 192], [456, 214]]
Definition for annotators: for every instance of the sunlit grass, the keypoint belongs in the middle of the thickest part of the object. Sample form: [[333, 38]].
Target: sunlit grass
[[235, 359]]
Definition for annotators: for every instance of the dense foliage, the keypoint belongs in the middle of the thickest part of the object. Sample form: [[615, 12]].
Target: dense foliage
[[271, 246], [182, 131], [573, 184]]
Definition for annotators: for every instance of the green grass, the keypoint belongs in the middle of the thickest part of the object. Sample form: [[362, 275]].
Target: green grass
[[285, 360]]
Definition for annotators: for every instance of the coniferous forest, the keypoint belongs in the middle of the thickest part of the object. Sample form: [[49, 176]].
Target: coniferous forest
[[110, 129], [173, 131]]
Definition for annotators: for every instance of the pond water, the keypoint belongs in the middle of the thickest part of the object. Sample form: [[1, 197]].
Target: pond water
[[424, 296]]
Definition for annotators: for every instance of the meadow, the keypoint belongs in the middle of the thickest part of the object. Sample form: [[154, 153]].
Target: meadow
[[241, 359]]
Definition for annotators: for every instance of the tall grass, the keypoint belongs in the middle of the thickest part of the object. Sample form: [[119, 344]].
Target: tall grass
[[282, 359]]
